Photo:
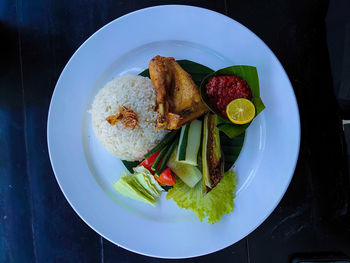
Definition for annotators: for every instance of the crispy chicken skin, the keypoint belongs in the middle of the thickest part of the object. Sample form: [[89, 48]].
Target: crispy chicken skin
[[178, 99]]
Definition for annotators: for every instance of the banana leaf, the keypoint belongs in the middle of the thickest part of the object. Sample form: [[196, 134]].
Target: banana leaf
[[248, 73], [130, 165], [231, 149]]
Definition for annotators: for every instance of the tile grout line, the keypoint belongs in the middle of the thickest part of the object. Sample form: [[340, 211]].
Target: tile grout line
[[102, 252], [25, 127], [247, 246], [51, 32]]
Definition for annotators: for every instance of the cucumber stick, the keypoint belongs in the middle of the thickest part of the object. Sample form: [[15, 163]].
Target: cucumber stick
[[166, 140], [159, 158], [169, 152], [190, 139], [181, 148], [189, 174]]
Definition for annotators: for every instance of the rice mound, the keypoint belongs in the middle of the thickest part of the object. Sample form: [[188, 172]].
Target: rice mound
[[136, 93]]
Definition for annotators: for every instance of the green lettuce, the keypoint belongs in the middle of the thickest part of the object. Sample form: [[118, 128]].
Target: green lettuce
[[213, 205]]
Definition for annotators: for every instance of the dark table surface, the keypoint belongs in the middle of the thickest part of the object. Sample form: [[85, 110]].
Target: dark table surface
[[36, 222]]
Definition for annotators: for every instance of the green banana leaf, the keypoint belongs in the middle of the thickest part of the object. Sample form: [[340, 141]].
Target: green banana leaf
[[231, 148], [130, 165]]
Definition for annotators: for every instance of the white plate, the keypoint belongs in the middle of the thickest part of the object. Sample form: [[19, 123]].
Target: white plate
[[86, 172]]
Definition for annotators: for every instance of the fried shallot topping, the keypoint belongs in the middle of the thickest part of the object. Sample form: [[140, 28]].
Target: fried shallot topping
[[126, 116], [113, 119]]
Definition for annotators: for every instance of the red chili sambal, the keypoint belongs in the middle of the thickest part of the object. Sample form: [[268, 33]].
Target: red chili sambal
[[223, 89]]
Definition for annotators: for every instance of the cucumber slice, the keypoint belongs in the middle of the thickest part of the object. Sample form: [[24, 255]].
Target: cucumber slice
[[189, 174], [194, 141], [181, 148], [189, 143]]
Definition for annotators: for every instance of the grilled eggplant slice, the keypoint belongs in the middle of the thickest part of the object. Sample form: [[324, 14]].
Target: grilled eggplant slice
[[212, 156]]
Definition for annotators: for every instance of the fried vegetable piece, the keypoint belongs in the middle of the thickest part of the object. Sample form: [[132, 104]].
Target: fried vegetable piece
[[126, 116], [212, 157], [178, 98]]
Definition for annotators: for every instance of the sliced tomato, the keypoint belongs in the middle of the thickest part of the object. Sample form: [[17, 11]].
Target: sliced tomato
[[166, 177], [148, 162]]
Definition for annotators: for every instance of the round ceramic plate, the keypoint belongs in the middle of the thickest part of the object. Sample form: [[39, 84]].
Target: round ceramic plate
[[85, 171]]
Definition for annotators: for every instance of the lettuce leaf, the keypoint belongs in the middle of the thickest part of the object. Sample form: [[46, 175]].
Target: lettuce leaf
[[213, 205]]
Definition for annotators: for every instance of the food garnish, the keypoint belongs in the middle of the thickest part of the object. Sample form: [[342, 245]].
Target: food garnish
[[129, 117], [157, 159], [140, 186], [213, 205], [168, 138], [240, 111], [212, 158], [113, 119], [160, 157], [189, 174], [166, 158], [166, 178], [149, 161], [178, 99], [190, 140], [126, 116]]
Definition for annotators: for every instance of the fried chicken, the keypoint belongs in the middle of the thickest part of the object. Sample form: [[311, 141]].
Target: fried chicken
[[178, 99]]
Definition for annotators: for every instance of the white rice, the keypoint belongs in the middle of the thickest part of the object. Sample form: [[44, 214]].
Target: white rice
[[136, 93]]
